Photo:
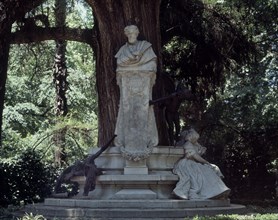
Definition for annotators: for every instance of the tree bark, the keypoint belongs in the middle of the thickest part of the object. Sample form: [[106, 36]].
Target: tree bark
[[60, 74], [111, 19]]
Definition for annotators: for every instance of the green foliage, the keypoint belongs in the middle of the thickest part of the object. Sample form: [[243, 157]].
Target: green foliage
[[80, 15], [217, 217], [202, 45], [241, 132], [28, 118], [237, 217], [239, 124], [31, 216], [25, 179], [79, 137]]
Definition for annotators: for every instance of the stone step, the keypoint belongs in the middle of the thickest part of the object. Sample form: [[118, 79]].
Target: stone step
[[146, 204], [114, 186], [70, 213]]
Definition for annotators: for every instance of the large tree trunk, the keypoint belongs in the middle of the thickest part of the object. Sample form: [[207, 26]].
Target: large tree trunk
[[60, 74], [111, 18]]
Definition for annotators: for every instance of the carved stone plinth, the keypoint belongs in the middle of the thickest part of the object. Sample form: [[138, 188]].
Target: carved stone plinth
[[135, 167], [136, 127]]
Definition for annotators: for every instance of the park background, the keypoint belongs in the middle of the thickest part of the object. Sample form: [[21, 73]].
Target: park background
[[224, 51]]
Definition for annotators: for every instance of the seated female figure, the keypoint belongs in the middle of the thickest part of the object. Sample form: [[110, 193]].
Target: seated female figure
[[198, 179]]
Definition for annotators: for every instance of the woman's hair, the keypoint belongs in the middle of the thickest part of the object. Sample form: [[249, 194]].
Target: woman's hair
[[131, 28], [190, 134]]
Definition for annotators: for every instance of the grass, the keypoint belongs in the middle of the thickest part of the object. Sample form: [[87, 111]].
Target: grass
[[237, 217], [218, 217]]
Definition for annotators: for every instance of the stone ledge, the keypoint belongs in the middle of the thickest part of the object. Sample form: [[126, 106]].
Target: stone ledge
[[161, 158], [165, 150], [136, 203], [131, 178], [137, 178]]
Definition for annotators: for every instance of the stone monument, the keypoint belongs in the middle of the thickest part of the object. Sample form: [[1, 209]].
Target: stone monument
[[136, 127], [137, 176]]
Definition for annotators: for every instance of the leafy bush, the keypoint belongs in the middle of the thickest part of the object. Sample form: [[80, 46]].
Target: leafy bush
[[25, 179], [32, 217], [217, 217], [237, 217]]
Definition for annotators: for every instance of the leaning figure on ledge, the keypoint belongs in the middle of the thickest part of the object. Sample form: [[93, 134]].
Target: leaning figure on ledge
[[172, 103], [136, 72], [85, 168], [198, 179]]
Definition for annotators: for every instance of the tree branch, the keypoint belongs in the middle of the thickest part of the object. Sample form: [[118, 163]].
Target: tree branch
[[37, 34]]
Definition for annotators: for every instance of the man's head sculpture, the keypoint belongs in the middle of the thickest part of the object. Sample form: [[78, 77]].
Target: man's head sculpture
[[132, 33], [131, 29]]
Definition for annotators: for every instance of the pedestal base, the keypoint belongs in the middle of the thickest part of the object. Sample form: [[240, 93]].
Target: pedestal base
[[157, 185], [135, 167], [153, 174], [73, 209], [121, 194]]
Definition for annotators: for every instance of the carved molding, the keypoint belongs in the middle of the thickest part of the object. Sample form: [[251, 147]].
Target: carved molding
[[136, 155]]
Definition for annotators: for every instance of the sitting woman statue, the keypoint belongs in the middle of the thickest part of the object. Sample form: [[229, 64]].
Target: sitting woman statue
[[198, 179]]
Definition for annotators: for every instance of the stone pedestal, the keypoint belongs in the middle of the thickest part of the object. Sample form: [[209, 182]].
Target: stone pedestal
[[120, 195], [135, 167], [151, 178], [136, 126]]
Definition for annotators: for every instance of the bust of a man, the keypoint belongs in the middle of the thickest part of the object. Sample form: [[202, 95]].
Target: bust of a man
[[135, 55]]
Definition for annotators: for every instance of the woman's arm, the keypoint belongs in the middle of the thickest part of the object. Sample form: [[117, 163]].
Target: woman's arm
[[191, 152], [200, 149], [199, 159]]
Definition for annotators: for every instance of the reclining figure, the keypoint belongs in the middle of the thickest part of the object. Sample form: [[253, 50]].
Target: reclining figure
[[85, 168]]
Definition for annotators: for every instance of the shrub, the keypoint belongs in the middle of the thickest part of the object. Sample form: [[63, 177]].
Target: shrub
[[26, 180], [237, 217], [32, 217]]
